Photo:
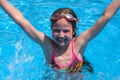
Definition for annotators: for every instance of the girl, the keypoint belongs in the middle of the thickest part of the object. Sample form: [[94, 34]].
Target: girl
[[65, 50]]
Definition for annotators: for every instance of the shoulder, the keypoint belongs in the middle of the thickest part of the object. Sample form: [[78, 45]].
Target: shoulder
[[48, 48]]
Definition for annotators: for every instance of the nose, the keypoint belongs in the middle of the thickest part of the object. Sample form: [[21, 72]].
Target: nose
[[61, 34]]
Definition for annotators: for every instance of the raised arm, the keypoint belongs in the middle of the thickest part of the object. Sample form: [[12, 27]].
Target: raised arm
[[86, 36], [107, 15], [37, 36]]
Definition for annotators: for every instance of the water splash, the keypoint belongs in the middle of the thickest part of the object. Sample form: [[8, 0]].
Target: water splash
[[12, 65], [16, 67]]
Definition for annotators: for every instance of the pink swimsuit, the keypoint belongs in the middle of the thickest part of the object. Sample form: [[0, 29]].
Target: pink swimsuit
[[74, 66]]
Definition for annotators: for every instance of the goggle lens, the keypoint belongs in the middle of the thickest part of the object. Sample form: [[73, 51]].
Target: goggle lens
[[65, 16]]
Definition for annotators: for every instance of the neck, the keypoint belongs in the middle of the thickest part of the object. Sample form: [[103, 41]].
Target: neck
[[62, 48]]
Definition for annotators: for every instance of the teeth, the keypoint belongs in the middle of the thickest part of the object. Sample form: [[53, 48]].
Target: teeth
[[61, 40]]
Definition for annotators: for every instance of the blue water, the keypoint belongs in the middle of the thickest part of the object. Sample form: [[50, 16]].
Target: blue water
[[22, 59]]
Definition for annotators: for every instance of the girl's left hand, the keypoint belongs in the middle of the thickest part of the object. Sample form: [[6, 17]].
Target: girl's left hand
[[119, 3], [2, 1]]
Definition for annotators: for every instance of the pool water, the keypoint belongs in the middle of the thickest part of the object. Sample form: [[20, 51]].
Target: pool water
[[22, 59]]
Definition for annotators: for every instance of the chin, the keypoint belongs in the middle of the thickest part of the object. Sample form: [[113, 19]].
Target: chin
[[62, 44]]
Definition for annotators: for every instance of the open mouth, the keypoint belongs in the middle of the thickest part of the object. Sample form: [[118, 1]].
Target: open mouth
[[61, 40]]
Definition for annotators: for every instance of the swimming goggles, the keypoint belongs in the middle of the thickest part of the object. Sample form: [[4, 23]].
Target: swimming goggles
[[68, 17]]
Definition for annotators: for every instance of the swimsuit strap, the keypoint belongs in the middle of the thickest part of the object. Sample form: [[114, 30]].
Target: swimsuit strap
[[73, 52], [52, 55], [54, 48], [73, 47], [52, 60], [73, 67]]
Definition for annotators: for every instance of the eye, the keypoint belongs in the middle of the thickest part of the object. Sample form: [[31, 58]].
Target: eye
[[56, 30], [65, 31]]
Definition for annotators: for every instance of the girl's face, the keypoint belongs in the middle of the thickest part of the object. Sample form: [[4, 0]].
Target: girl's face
[[62, 32]]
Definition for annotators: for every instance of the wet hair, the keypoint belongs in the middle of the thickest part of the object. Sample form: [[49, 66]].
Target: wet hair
[[87, 65], [66, 11]]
